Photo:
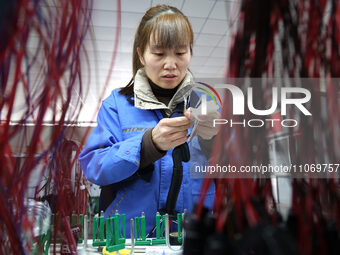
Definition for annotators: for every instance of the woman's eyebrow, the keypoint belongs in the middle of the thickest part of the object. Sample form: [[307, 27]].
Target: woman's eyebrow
[[160, 47], [156, 47], [181, 47]]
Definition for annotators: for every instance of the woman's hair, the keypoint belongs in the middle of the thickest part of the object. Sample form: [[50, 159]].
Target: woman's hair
[[165, 25]]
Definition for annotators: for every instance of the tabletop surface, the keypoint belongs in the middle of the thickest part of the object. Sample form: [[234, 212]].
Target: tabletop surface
[[151, 250]]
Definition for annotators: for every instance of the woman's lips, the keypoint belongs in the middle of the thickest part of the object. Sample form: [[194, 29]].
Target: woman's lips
[[169, 76]]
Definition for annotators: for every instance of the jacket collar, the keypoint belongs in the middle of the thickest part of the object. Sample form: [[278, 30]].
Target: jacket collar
[[146, 100]]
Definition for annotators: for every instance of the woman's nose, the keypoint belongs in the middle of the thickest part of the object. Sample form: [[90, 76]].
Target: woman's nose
[[170, 63]]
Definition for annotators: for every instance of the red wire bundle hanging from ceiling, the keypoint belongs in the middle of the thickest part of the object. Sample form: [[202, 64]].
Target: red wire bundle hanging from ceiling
[[299, 41], [39, 84]]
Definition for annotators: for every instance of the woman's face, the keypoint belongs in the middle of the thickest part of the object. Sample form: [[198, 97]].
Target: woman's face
[[165, 67]]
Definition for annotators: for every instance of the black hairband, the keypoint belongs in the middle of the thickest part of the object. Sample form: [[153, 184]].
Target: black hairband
[[166, 8]]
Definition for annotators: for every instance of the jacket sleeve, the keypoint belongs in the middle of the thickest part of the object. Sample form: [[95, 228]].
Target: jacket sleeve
[[106, 157]]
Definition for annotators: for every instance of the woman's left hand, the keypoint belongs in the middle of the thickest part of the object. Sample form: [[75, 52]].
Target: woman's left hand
[[205, 128]]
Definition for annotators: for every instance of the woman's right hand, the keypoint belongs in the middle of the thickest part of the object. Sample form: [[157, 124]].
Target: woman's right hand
[[170, 132]]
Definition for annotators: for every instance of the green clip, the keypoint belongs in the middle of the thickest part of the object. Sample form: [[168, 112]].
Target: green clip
[[113, 242], [98, 236], [120, 218], [45, 241], [179, 227], [160, 221], [79, 220], [140, 234], [52, 227]]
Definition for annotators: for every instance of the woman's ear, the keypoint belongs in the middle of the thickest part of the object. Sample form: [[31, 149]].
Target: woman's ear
[[140, 55]]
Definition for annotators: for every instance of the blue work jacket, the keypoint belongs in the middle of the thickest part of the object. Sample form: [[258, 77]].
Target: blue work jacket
[[112, 156]]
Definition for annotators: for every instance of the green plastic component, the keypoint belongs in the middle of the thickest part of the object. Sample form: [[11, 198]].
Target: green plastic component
[[78, 220], [140, 234], [45, 241], [120, 218], [53, 219], [155, 241], [98, 232], [113, 239], [74, 219], [81, 238], [116, 247], [145, 242], [160, 221], [179, 227]]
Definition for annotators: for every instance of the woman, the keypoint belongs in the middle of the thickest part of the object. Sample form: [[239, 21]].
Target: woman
[[129, 152]]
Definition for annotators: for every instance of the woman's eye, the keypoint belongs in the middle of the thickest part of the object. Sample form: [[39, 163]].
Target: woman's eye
[[180, 53], [158, 54]]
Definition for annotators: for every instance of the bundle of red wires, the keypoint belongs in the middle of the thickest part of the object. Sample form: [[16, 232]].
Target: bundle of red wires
[[307, 35], [45, 83]]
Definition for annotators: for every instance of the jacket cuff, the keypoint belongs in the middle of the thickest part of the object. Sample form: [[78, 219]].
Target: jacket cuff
[[149, 152], [206, 145]]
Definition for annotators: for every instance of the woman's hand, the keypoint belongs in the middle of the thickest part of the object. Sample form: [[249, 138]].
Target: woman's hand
[[170, 132], [205, 128]]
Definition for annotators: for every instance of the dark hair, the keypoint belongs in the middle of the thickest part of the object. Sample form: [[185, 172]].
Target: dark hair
[[167, 26]]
